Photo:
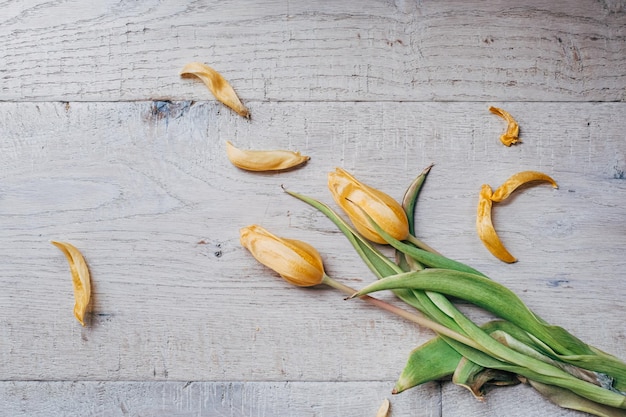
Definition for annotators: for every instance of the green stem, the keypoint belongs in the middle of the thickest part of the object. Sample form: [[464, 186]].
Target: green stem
[[421, 244], [420, 320]]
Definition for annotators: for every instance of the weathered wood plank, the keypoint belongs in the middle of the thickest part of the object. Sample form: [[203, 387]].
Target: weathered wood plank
[[285, 399], [154, 204], [316, 51], [146, 191], [198, 399]]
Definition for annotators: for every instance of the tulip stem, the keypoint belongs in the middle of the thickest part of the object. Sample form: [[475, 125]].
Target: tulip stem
[[417, 319], [421, 244]]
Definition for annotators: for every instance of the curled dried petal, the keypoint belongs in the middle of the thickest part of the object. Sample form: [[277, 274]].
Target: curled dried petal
[[383, 411], [509, 137], [484, 226], [218, 85], [275, 160], [517, 180], [80, 278]]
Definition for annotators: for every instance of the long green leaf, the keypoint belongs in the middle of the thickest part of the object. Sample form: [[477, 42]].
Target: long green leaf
[[489, 295], [600, 395], [415, 374], [528, 366], [567, 399]]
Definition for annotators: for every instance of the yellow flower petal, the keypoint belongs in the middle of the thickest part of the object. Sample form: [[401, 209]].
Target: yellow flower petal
[[275, 160], [484, 226], [80, 278], [510, 137], [384, 409], [218, 85], [516, 181]]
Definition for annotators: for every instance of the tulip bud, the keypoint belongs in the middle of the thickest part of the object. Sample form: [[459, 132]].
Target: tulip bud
[[297, 262], [386, 212]]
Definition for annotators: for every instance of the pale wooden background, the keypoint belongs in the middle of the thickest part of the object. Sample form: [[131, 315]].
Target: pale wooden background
[[102, 144]]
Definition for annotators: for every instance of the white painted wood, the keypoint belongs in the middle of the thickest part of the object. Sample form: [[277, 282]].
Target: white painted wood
[[184, 322], [198, 399], [146, 192], [402, 50]]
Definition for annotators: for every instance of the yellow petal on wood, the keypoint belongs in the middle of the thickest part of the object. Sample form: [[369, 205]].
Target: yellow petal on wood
[[80, 278], [517, 180], [217, 84], [252, 160], [485, 229], [509, 137], [384, 409]]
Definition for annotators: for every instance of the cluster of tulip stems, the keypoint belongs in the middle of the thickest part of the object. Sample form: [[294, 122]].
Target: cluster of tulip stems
[[516, 347]]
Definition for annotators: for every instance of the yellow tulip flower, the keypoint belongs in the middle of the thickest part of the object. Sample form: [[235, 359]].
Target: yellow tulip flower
[[297, 262], [350, 195]]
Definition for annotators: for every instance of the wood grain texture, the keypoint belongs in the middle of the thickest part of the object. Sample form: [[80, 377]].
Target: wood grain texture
[[371, 50], [209, 399], [145, 190], [102, 144]]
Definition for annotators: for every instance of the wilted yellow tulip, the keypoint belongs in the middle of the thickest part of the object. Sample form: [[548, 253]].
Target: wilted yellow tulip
[[355, 198], [297, 262]]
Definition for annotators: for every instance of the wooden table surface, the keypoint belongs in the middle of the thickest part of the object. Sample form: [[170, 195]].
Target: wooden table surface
[[104, 145]]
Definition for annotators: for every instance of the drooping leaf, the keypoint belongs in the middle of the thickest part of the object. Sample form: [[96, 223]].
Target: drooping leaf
[[525, 365], [489, 295], [431, 361], [567, 399]]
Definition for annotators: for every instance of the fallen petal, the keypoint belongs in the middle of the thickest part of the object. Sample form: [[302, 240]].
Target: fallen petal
[[80, 278], [517, 180], [383, 411], [275, 160], [218, 85], [510, 137], [486, 231]]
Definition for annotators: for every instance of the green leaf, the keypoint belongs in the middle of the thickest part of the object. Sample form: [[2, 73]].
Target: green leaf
[[567, 399], [431, 279], [408, 204], [441, 356], [562, 345], [489, 295], [431, 361], [474, 377], [410, 197]]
